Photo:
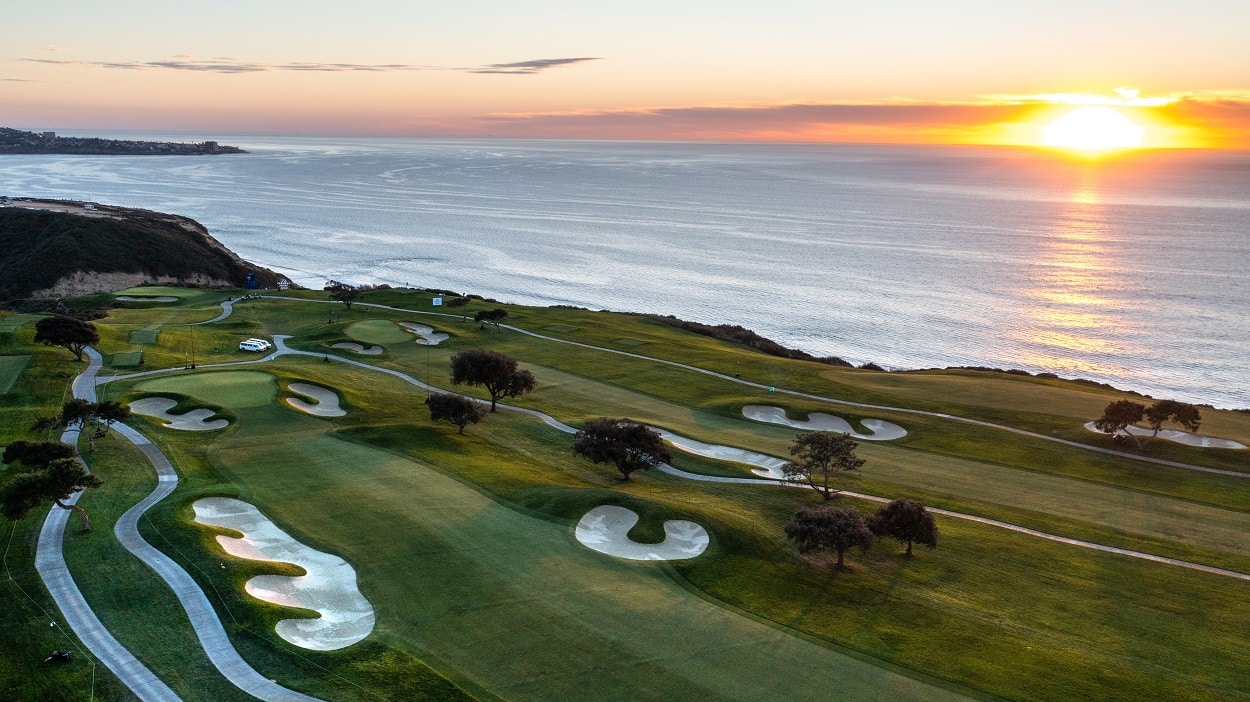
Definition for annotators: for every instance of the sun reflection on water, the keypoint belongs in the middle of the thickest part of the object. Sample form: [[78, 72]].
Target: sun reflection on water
[[1071, 321]]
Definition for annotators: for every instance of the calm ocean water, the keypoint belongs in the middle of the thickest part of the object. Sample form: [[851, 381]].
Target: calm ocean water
[[1132, 270]]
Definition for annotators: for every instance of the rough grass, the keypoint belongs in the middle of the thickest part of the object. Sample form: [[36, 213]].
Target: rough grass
[[10, 368]]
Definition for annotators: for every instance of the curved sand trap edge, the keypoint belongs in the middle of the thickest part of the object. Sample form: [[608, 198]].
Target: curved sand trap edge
[[606, 529], [325, 401], [329, 587], [1180, 437], [195, 420], [427, 334], [357, 348], [766, 466], [818, 421], [157, 298]]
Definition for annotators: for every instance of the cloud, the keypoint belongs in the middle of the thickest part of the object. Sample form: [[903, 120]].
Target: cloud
[[236, 66], [16, 80], [1207, 118], [50, 48], [527, 67]]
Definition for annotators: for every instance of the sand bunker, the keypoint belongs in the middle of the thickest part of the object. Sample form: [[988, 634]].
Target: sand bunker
[[428, 336], [766, 466], [606, 529], [325, 401], [371, 351], [1181, 437], [157, 298], [817, 421], [191, 421], [329, 588]]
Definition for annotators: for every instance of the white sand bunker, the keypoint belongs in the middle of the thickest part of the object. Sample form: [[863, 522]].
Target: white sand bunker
[[1180, 437], [606, 529], [371, 351], [329, 588], [155, 298], [195, 420], [325, 402], [765, 466], [818, 421], [428, 336]]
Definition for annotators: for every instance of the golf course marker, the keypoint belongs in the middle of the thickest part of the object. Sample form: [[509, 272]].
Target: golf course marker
[[606, 529], [328, 587], [819, 421]]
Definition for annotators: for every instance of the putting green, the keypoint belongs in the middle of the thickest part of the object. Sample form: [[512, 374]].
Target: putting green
[[233, 389], [513, 602], [378, 331], [10, 368]]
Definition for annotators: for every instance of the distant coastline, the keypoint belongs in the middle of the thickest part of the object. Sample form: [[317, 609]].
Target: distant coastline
[[16, 141]]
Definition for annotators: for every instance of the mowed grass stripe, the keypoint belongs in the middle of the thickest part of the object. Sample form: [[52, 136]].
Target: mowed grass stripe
[[11, 368], [514, 603]]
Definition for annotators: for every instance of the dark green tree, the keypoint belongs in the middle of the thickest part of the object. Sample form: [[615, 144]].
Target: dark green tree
[[111, 411], [626, 444], [494, 316], [1182, 413], [54, 483], [822, 458], [495, 371], [457, 409], [457, 302], [906, 520], [1118, 417], [36, 454], [828, 528], [67, 333], [342, 292]]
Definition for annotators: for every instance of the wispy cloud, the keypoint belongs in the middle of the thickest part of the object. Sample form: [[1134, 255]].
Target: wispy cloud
[[1215, 117], [49, 48], [16, 80], [237, 66], [526, 67]]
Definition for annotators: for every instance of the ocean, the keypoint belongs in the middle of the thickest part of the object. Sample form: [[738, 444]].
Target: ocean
[[1132, 270]]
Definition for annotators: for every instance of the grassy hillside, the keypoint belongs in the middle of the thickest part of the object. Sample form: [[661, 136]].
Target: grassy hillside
[[39, 248], [464, 543]]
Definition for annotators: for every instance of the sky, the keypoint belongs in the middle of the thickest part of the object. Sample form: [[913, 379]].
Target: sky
[[959, 71]]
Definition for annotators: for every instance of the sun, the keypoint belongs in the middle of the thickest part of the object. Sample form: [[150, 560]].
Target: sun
[[1093, 129]]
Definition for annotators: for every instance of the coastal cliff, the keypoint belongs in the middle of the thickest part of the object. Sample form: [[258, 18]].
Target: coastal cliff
[[16, 141], [59, 249]]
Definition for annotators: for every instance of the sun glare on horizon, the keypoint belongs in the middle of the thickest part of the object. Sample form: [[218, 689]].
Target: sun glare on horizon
[[1093, 129]]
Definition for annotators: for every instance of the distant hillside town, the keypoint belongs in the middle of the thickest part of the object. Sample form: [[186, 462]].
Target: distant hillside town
[[15, 141]]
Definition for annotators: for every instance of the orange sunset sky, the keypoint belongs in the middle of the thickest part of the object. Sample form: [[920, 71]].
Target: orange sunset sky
[[788, 70]]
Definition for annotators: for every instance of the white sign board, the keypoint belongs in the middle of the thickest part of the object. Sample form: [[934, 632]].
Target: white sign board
[[438, 302]]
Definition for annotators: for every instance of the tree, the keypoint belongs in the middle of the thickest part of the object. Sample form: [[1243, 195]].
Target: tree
[[67, 333], [55, 482], [77, 412], [36, 454], [457, 409], [1182, 413], [492, 370], [494, 316], [828, 528], [628, 445], [342, 292], [460, 302], [822, 458], [1118, 417], [111, 411], [906, 520]]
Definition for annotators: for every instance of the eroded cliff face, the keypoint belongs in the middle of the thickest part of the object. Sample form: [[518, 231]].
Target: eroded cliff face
[[90, 282], [58, 248]]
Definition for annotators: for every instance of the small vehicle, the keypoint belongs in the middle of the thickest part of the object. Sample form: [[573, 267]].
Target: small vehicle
[[255, 345]]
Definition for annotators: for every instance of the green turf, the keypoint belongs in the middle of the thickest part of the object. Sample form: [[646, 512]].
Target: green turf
[[128, 359], [231, 389], [378, 331], [628, 342], [10, 368], [464, 542], [144, 336]]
